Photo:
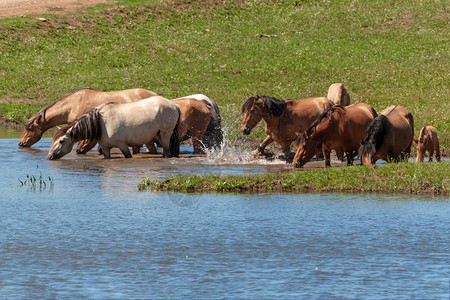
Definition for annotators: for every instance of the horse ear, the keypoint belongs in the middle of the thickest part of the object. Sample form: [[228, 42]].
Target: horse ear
[[362, 142], [416, 141]]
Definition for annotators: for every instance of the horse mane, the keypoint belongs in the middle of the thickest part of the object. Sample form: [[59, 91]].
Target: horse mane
[[42, 112], [375, 134], [87, 127], [312, 129], [275, 106]]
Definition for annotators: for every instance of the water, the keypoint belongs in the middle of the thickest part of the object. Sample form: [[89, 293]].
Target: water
[[93, 235]]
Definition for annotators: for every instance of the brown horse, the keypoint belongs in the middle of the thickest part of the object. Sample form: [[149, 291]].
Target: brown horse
[[200, 120], [428, 141], [284, 118], [389, 136], [339, 128], [338, 94], [71, 107]]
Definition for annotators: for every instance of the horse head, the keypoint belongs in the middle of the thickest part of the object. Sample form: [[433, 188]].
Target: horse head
[[253, 111], [306, 148], [62, 143], [367, 152], [259, 107], [33, 131]]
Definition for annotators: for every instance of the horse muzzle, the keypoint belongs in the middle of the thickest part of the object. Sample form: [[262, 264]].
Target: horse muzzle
[[246, 130], [24, 144], [298, 164]]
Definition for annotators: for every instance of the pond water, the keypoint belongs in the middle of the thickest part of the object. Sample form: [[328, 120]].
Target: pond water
[[92, 234]]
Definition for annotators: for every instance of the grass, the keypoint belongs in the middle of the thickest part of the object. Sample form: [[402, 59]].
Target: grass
[[385, 52], [409, 178]]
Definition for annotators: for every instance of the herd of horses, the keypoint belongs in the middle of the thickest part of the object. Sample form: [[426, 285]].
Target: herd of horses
[[318, 125]]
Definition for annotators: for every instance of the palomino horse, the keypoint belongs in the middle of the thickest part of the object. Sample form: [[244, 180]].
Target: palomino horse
[[338, 94], [339, 128], [71, 107], [284, 118], [200, 120], [389, 136], [428, 141], [123, 125]]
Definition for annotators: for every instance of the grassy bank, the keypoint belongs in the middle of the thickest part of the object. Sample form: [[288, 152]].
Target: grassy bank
[[408, 178], [385, 52]]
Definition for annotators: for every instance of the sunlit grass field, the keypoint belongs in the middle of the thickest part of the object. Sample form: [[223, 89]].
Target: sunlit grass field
[[385, 52]]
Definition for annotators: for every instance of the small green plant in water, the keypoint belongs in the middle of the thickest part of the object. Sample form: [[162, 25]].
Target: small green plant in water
[[33, 182]]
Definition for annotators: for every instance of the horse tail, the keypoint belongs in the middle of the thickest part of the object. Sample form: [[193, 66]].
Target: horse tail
[[338, 94], [175, 138], [213, 136]]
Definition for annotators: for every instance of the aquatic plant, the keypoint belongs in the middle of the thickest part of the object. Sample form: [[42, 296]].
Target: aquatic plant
[[33, 182]]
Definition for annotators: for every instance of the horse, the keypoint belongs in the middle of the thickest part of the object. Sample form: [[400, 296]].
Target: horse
[[338, 94], [284, 118], [339, 128], [71, 107], [200, 120], [389, 136], [123, 125], [428, 141]]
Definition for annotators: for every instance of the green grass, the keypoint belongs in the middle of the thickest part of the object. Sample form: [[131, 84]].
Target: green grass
[[409, 178], [386, 52]]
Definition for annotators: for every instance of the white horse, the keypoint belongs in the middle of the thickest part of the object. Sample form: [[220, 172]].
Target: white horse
[[123, 125]]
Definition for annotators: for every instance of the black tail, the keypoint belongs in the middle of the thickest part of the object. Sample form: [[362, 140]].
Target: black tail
[[175, 138], [213, 136]]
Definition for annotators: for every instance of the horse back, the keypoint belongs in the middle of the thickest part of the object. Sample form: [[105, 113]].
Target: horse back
[[305, 111], [401, 128]]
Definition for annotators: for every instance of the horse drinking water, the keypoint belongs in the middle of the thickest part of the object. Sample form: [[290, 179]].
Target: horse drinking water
[[123, 125], [389, 136], [71, 107], [339, 128]]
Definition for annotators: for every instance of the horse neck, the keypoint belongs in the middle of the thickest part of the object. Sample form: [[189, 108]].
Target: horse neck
[[272, 123], [57, 114]]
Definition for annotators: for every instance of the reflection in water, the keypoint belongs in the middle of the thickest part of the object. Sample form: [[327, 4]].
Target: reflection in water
[[95, 236]]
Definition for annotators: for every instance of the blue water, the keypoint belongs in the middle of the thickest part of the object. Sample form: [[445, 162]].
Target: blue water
[[93, 235]]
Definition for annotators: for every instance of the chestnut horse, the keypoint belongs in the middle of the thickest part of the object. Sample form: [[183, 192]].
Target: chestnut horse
[[284, 118], [71, 107], [428, 141], [339, 128], [389, 136], [338, 94], [123, 125], [200, 120]]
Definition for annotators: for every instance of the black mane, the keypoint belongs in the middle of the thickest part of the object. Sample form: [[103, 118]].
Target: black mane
[[375, 133], [275, 107], [312, 129], [87, 127]]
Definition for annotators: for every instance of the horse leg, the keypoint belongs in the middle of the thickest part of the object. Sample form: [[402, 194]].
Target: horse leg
[[125, 151], [165, 142], [106, 152], [136, 149], [264, 144], [198, 146], [438, 152], [349, 157], [151, 147], [340, 155], [430, 159], [326, 153]]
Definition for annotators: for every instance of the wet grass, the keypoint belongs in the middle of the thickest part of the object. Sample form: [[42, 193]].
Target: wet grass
[[385, 52], [408, 178]]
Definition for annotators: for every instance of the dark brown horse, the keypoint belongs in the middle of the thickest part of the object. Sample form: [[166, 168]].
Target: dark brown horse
[[71, 107], [389, 136], [339, 128], [284, 118]]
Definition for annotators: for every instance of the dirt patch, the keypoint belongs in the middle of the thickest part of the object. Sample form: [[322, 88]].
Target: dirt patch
[[5, 123], [22, 8]]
